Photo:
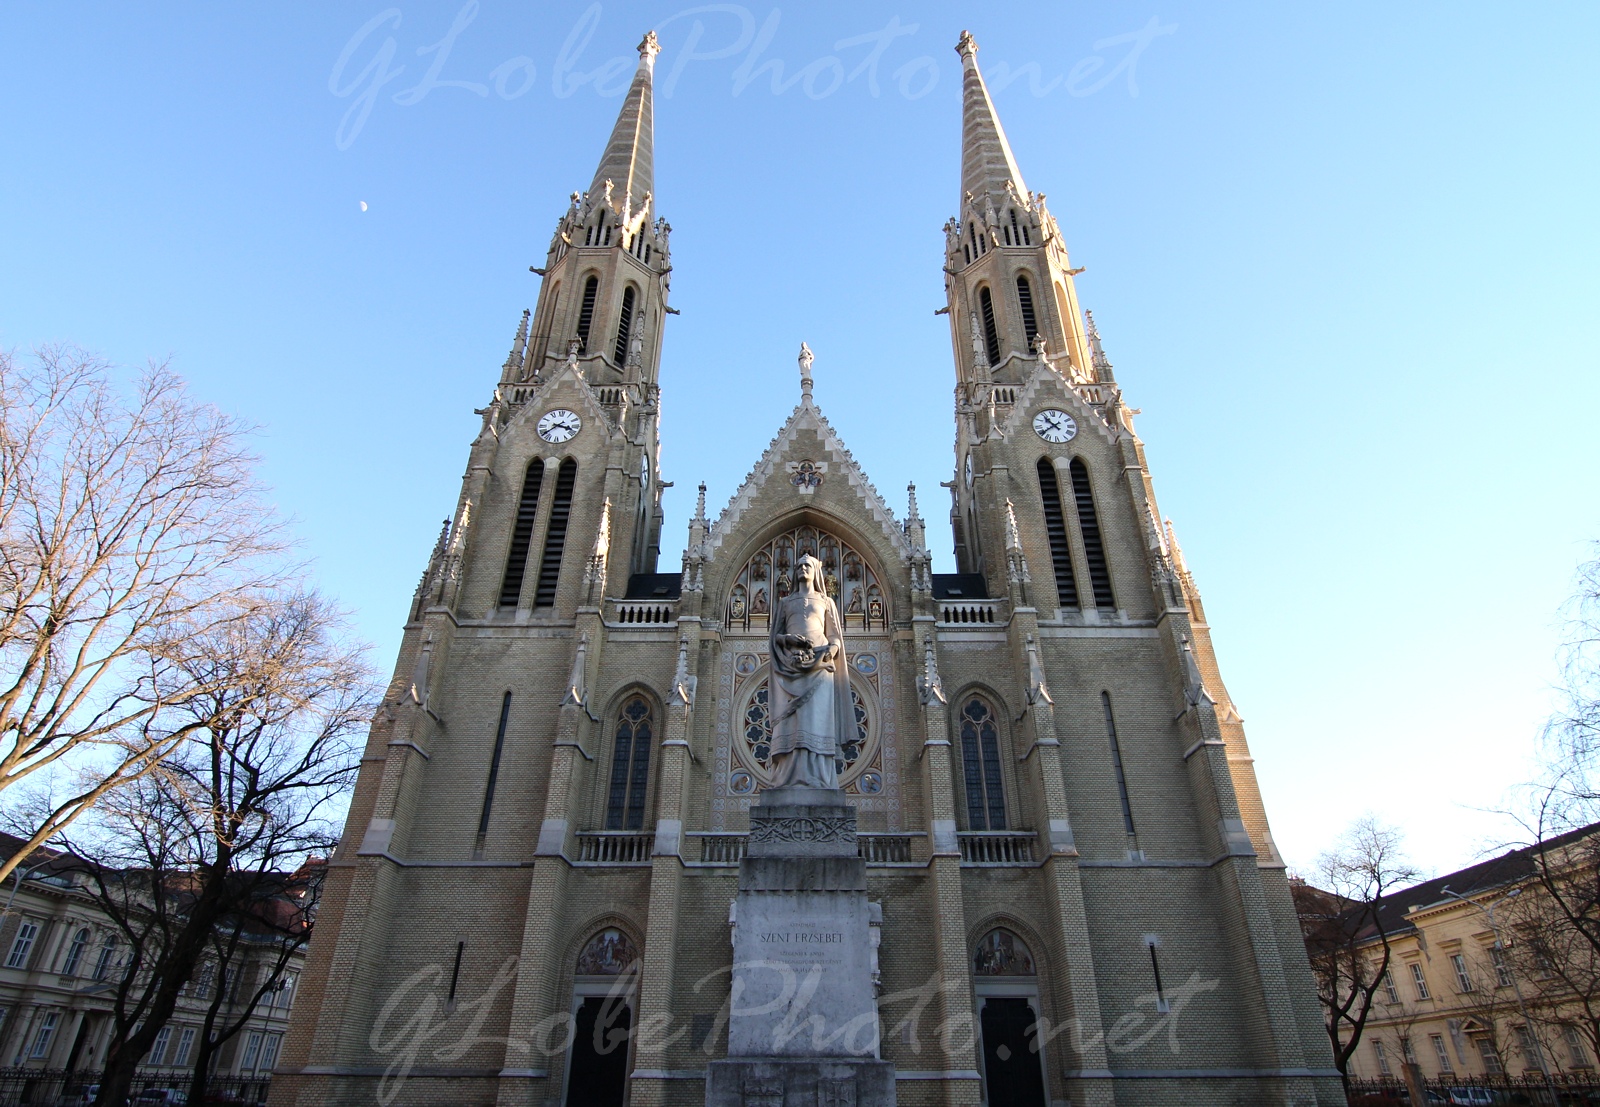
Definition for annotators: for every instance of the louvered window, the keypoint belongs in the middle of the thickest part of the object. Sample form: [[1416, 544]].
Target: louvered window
[[1030, 325], [522, 535], [555, 537], [630, 767], [1093, 548], [591, 289], [980, 765], [1055, 523], [624, 327], [991, 337], [1016, 233]]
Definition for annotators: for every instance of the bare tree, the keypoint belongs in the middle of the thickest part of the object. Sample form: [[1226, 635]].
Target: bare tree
[[189, 859], [131, 528], [1346, 930]]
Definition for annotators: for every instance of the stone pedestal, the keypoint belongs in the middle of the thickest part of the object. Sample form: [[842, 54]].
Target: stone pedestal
[[803, 1026]]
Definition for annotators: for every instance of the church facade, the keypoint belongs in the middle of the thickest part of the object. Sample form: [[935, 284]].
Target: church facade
[[1075, 894]]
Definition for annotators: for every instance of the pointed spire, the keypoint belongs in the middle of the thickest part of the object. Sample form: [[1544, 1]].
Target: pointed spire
[[628, 164], [1013, 539], [911, 504], [930, 689], [518, 344], [700, 505], [1038, 690], [1102, 364], [986, 161]]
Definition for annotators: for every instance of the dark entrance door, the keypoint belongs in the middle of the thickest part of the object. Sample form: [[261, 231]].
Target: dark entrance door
[[598, 1076], [1012, 1073]]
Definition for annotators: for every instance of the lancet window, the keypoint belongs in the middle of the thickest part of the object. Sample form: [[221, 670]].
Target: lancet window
[[555, 538], [991, 336], [769, 576], [980, 766], [1055, 524], [1030, 323], [630, 766], [624, 326], [1093, 547], [522, 535], [591, 289]]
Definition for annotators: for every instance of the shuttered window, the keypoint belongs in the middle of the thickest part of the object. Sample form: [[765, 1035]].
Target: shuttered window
[[522, 535], [991, 337], [555, 538], [591, 289], [1030, 325], [624, 327], [1093, 548], [1055, 524]]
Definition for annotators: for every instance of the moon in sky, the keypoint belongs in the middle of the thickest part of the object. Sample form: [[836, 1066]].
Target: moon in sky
[[363, 205]]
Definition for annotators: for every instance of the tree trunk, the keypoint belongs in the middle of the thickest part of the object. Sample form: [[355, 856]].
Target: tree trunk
[[202, 1069]]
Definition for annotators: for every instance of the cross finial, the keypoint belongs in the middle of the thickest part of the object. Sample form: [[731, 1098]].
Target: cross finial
[[649, 47], [966, 45], [806, 358]]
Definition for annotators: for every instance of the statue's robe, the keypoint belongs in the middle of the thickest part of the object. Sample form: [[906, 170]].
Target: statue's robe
[[808, 701]]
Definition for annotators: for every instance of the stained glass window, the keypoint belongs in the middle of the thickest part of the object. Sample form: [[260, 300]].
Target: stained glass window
[[630, 767], [980, 765], [758, 729], [769, 576]]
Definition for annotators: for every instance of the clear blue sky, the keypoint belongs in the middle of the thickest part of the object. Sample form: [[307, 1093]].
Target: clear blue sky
[[1342, 256]]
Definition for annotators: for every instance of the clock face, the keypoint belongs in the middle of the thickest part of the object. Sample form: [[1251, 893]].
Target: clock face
[[644, 471], [560, 425], [1054, 426]]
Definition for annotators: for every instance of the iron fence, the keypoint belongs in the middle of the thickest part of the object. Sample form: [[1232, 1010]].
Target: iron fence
[[25, 1087], [1561, 1090]]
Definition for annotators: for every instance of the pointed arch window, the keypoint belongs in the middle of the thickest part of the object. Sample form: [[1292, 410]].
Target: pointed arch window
[[1030, 323], [980, 766], [522, 535], [624, 327], [1094, 549], [991, 336], [1055, 524], [1015, 237], [630, 766], [591, 289], [555, 538]]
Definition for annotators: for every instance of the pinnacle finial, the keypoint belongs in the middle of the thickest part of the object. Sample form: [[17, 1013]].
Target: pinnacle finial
[[700, 504], [966, 45], [911, 506], [806, 358], [1013, 539], [649, 47]]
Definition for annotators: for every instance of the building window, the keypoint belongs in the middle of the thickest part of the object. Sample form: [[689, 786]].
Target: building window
[[555, 539], [23, 945], [80, 942], [185, 1046], [1116, 763], [102, 964], [1407, 1052], [1575, 1047], [494, 767], [1525, 1045], [44, 1036], [624, 327], [1383, 1057], [1055, 524], [269, 1051], [591, 289], [252, 1050], [1463, 978], [630, 767], [522, 535], [980, 763], [1502, 971], [1389, 990], [1420, 981], [202, 983], [1093, 549], [991, 337], [158, 1048], [1030, 324], [1491, 1057], [1441, 1052]]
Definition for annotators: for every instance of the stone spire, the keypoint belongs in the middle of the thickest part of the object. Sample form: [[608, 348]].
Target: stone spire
[[986, 161], [629, 160]]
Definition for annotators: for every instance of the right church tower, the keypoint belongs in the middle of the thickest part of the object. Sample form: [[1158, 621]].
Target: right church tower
[[1166, 884]]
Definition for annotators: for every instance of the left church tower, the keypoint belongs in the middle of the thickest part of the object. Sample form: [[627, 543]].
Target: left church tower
[[478, 761]]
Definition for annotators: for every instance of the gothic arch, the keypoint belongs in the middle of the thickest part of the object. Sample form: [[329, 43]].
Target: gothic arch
[[612, 722], [1026, 932], [975, 780], [873, 580], [579, 937]]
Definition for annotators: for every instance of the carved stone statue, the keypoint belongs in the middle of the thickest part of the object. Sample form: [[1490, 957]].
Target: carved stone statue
[[809, 697]]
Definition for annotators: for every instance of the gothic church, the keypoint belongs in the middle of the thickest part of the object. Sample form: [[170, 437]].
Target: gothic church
[[1075, 895]]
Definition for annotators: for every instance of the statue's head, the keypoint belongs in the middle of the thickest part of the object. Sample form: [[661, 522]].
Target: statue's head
[[808, 573]]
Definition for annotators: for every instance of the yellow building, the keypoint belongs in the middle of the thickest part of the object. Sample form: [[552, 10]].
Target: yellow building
[[1486, 978]]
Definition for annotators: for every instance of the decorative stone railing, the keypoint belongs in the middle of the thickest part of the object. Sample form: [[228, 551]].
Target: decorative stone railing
[[874, 849], [997, 847], [969, 612], [648, 612], [615, 847]]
